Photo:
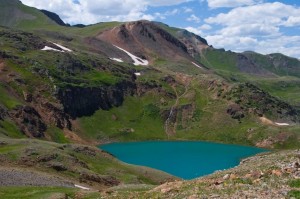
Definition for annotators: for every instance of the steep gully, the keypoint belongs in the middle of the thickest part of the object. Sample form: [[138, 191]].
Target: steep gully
[[169, 129]]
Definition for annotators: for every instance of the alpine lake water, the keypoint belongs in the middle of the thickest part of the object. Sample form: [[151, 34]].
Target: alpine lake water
[[184, 159]]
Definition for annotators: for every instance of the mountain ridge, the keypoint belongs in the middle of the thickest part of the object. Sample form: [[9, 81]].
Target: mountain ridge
[[54, 17]]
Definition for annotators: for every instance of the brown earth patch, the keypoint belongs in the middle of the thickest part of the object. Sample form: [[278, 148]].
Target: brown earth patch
[[72, 136]]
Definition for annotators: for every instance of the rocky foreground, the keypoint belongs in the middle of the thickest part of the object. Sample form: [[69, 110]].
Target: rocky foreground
[[23, 177], [271, 175]]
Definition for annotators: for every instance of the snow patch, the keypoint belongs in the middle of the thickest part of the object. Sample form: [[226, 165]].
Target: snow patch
[[64, 49], [49, 48], [117, 59], [81, 187], [270, 122], [137, 74], [197, 65], [136, 60], [282, 124]]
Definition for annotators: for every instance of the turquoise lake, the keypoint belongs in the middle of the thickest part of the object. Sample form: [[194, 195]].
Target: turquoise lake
[[184, 159]]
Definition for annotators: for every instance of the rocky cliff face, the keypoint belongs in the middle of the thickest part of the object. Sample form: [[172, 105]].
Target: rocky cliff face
[[84, 101], [53, 114], [194, 43], [3, 112], [29, 121]]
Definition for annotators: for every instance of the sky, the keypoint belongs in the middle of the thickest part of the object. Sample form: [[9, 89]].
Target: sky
[[264, 26]]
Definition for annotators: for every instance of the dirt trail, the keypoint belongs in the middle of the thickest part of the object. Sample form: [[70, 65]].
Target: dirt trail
[[74, 137]]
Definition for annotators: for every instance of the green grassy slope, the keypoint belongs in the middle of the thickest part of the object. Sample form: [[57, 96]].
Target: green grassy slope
[[74, 160], [219, 60], [199, 115], [134, 120], [14, 14], [285, 88]]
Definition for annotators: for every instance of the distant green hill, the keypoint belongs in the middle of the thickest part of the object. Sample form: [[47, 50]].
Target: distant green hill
[[277, 63], [251, 63], [276, 73], [14, 14]]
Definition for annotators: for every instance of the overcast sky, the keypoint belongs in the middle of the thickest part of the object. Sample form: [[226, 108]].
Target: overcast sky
[[263, 26]]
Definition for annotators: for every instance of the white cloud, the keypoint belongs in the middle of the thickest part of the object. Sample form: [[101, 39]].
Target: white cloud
[[239, 44], [199, 30], [172, 12], [205, 27], [90, 11], [166, 14], [194, 30], [267, 13], [282, 42], [258, 28], [187, 10], [162, 2], [111, 7], [193, 18], [250, 30], [230, 3], [292, 21], [288, 45]]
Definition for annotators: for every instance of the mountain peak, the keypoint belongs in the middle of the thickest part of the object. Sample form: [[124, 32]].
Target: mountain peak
[[150, 40]]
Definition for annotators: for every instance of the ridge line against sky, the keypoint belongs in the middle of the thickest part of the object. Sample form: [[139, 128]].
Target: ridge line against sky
[[263, 26]]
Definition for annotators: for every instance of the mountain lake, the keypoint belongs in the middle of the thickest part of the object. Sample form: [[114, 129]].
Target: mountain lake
[[184, 159]]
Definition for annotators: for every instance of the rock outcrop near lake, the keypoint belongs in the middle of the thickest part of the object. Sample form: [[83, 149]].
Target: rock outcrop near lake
[[81, 101]]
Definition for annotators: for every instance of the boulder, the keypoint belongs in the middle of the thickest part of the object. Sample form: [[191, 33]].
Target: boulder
[[105, 180]]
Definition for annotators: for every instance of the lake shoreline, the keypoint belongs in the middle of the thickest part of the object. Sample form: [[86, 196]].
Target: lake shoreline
[[166, 153]]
